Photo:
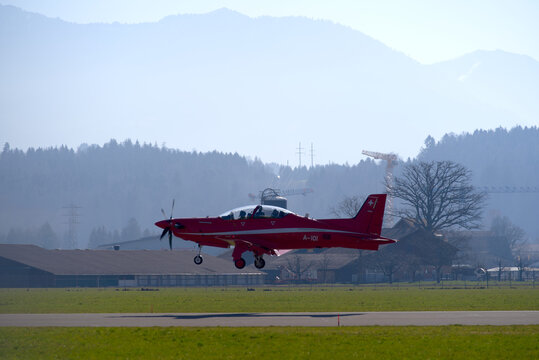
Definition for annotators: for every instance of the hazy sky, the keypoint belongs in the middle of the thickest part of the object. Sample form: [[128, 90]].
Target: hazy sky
[[426, 30]]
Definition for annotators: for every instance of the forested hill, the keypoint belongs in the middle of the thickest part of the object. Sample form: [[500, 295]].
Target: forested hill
[[498, 158], [119, 181], [121, 187]]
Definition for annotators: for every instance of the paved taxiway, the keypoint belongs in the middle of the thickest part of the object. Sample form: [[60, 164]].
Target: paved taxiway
[[400, 318]]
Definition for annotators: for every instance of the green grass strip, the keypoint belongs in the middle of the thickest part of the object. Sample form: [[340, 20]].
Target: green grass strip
[[442, 342], [274, 299]]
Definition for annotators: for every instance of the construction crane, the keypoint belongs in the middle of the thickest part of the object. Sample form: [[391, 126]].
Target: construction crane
[[508, 189], [391, 162]]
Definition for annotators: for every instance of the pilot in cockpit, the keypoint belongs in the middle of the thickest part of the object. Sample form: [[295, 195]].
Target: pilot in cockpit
[[259, 213], [242, 214]]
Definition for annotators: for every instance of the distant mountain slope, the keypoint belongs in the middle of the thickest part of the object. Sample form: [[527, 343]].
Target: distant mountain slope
[[224, 80], [499, 79]]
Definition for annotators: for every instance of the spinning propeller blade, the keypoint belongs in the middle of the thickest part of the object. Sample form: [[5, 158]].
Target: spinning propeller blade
[[169, 228], [163, 233]]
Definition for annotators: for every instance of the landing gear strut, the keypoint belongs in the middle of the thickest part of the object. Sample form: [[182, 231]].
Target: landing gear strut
[[259, 262], [198, 259], [240, 263]]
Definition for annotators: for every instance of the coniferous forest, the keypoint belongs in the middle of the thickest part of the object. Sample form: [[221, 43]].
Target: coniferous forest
[[116, 191]]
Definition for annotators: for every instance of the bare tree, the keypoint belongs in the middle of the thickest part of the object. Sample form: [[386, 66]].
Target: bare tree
[[298, 266], [510, 237], [461, 242], [419, 249], [438, 195], [413, 266], [361, 265], [441, 254], [325, 263], [389, 261], [348, 207]]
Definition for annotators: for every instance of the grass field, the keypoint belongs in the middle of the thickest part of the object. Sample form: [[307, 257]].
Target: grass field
[[271, 299], [443, 342]]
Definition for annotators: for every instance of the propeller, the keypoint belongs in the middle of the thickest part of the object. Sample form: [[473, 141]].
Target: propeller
[[168, 229]]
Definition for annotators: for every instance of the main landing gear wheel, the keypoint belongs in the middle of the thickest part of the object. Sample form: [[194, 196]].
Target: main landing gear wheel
[[260, 263], [198, 259], [240, 263]]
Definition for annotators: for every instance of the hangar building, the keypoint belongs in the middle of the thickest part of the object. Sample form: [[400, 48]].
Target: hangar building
[[32, 266]]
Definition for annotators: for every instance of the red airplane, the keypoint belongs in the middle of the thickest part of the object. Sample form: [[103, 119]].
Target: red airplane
[[271, 230]]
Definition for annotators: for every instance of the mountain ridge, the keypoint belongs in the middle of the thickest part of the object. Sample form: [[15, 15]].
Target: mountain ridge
[[227, 84]]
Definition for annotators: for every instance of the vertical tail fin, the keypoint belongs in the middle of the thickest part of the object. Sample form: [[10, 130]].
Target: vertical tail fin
[[371, 215]]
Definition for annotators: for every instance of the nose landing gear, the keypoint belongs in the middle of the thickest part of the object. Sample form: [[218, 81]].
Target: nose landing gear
[[198, 259]]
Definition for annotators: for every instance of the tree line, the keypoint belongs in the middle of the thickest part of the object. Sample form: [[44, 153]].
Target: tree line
[[437, 202], [119, 181]]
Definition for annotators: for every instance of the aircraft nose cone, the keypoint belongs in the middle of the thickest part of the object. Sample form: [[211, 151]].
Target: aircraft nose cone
[[162, 224]]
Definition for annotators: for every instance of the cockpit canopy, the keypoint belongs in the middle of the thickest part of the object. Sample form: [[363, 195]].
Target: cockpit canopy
[[261, 212]]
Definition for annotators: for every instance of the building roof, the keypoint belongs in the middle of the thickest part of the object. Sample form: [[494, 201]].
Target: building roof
[[122, 262], [511, 269], [153, 243], [145, 243], [401, 229]]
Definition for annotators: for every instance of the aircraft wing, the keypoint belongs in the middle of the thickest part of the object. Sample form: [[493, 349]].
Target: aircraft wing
[[246, 244], [281, 252], [216, 243]]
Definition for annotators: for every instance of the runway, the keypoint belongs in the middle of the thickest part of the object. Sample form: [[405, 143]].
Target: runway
[[401, 318]]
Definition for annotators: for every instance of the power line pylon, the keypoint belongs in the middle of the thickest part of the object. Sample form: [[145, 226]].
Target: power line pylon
[[391, 162], [72, 222], [312, 155], [300, 152]]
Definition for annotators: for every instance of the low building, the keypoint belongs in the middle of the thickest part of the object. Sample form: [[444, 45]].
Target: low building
[[32, 266], [312, 265], [505, 273], [416, 256], [154, 243]]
